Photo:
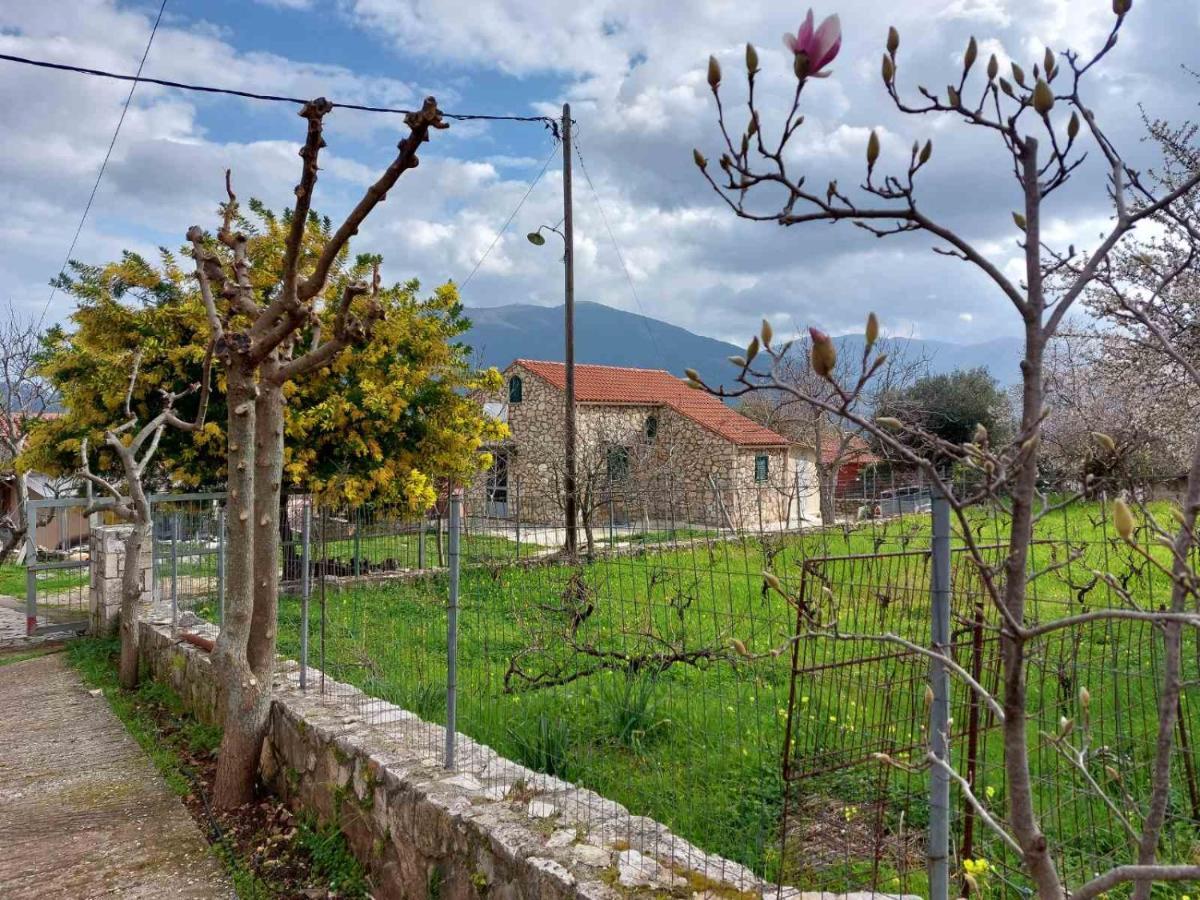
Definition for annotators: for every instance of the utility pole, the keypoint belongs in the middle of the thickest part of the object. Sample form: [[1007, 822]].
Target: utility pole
[[570, 503]]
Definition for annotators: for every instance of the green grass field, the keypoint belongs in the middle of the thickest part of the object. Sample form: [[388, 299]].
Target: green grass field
[[12, 580], [622, 676]]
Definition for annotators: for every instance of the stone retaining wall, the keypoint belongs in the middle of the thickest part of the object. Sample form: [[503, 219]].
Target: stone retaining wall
[[491, 828]]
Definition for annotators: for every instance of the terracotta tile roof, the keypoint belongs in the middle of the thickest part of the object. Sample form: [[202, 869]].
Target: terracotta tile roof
[[857, 451], [656, 387]]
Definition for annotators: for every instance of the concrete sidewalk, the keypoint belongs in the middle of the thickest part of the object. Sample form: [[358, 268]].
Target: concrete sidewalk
[[83, 811]]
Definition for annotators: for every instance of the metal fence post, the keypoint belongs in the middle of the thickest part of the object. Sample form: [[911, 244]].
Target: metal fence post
[[421, 541], [357, 541], [938, 851], [30, 571], [221, 566], [516, 489], [305, 590], [174, 572], [452, 630]]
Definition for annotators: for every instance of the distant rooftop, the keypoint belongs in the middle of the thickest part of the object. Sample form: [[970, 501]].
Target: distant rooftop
[[656, 387]]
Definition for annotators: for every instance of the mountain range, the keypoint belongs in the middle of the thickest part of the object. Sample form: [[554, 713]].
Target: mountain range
[[608, 336]]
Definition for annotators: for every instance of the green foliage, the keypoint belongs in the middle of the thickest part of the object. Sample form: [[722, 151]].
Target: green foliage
[[382, 421], [949, 406], [331, 858], [548, 746], [630, 706]]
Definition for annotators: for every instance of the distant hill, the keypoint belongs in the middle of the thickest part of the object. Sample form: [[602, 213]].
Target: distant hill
[[500, 334]]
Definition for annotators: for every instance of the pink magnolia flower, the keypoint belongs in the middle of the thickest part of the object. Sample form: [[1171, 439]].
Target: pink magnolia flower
[[820, 46]]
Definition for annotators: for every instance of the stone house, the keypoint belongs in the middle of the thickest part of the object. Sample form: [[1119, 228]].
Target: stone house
[[648, 447]]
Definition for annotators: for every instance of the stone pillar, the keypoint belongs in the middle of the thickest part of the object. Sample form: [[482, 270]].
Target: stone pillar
[[106, 544]]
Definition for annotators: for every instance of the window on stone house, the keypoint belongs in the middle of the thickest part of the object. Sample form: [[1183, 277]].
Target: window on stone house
[[618, 464], [762, 464], [515, 389], [651, 428]]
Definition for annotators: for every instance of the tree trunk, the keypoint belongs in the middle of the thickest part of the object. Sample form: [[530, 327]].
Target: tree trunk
[[1012, 648], [1168, 698], [21, 518], [268, 478], [131, 597], [245, 697], [827, 485]]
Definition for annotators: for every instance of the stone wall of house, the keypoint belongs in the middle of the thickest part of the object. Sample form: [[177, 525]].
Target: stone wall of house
[[687, 474], [491, 828], [106, 551]]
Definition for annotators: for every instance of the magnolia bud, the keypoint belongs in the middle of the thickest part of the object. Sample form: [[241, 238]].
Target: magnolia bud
[[1073, 126], [1048, 63], [972, 884], [981, 435], [772, 582], [699, 159], [714, 72], [926, 152], [993, 68], [752, 128], [752, 349], [1085, 698], [1018, 75], [1123, 519], [751, 59], [1019, 219], [740, 647], [1006, 87], [952, 95], [692, 375], [1121, 7], [889, 422], [739, 361], [1065, 726], [893, 40], [1112, 774], [872, 150], [969, 56], [767, 333], [823, 355], [928, 696], [1043, 97], [888, 69], [872, 333], [1105, 441]]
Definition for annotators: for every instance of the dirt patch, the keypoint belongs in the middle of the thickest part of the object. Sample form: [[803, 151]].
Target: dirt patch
[[826, 834]]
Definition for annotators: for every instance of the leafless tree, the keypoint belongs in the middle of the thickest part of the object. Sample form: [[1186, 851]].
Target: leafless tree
[[1026, 117], [25, 399], [256, 341], [134, 447], [834, 444]]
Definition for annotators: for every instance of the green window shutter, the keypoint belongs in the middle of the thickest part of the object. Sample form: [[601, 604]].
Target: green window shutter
[[515, 389], [761, 467]]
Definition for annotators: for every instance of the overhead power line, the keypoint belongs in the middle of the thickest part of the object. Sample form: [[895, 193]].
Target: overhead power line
[[103, 165], [620, 256], [251, 95], [512, 215]]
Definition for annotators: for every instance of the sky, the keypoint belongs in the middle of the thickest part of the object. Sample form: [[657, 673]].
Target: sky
[[651, 237]]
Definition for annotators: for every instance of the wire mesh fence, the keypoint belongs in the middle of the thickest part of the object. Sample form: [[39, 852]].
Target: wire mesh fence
[[717, 721]]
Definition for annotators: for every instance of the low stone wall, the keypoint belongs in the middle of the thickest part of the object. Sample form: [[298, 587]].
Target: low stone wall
[[491, 828]]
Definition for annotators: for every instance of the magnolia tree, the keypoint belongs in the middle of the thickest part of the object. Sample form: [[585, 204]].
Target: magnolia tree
[[1042, 122], [134, 445], [256, 338]]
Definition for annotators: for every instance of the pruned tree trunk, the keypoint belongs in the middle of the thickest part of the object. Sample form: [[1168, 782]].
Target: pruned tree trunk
[[20, 520], [245, 697], [131, 596], [827, 485]]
